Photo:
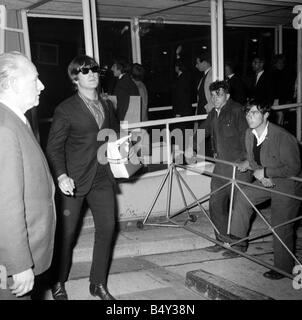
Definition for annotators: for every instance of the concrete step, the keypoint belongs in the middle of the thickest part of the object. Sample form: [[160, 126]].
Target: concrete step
[[240, 278], [217, 288], [139, 242], [132, 241]]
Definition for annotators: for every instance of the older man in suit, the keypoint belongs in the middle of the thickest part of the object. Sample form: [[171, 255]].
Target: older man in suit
[[27, 214]]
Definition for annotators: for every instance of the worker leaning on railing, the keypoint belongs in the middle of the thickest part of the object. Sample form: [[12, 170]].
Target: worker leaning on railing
[[273, 156]]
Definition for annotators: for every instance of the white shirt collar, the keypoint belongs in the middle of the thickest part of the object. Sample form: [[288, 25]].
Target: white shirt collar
[[206, 72], [263, 135], [18, 112], [219, 110], [231, 75], [259, 75]]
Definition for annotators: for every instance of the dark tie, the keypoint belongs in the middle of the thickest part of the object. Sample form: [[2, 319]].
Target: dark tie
[[97, 113]]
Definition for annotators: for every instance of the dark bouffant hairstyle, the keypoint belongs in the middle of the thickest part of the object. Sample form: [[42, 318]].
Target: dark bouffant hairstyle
[[231, 64], [216, 85], [260, 58], [78, 62], [122, 65], [181, 65], [204, 57], [137, 71]]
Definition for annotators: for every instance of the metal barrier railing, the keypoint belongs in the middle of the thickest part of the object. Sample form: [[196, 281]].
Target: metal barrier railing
[[291, 107], [172, 170], [287, 106], [233, 182]]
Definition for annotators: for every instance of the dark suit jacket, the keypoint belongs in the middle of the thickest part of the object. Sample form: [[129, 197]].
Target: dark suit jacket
[[27, 210], [237, 89], [73, 144], [182, 95], [283, 86], [124, 88], [228, 143], [263, 90], [279, 155]]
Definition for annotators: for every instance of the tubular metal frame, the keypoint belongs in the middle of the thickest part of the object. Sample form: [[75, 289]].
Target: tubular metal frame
[[172, 170], [169, 222]]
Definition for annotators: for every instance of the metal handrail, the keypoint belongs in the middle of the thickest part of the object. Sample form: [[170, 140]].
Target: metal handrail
[[287, 106], [230, 181]]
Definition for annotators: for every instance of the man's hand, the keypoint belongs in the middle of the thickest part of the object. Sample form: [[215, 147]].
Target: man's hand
[[133, 152], [66, 184], [267, 183], [243, 166], [190, 154], [23, 282], [259, 174]]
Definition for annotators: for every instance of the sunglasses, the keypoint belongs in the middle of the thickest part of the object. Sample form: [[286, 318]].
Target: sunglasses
[[85, 70]]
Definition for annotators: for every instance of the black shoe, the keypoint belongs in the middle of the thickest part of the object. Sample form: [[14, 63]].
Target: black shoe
[[233, 254], [273, 275], [100, 291], [58, 291], [215, 248]]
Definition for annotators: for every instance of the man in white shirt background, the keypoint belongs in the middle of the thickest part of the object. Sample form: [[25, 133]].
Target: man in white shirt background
[[262, 88]]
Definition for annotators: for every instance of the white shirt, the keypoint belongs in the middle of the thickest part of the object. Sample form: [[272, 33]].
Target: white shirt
[[205, 74], [262, 137], [179, 74], [259, 75]]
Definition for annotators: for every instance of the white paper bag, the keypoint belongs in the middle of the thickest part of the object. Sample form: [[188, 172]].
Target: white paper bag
[[118, 158]]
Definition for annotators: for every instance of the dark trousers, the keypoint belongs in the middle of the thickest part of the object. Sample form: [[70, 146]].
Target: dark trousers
[[6, 294], [220, 200], [101, 200], [283, 209]]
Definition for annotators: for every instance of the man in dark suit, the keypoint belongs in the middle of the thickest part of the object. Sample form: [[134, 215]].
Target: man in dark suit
[[262, 88], [72, 150], [124, 88], [226, 126], [283, 85], [204, 102], [182, 92], [27, 211], [237, 88]]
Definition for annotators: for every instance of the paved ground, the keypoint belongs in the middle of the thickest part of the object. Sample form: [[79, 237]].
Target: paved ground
[[156, 263]]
